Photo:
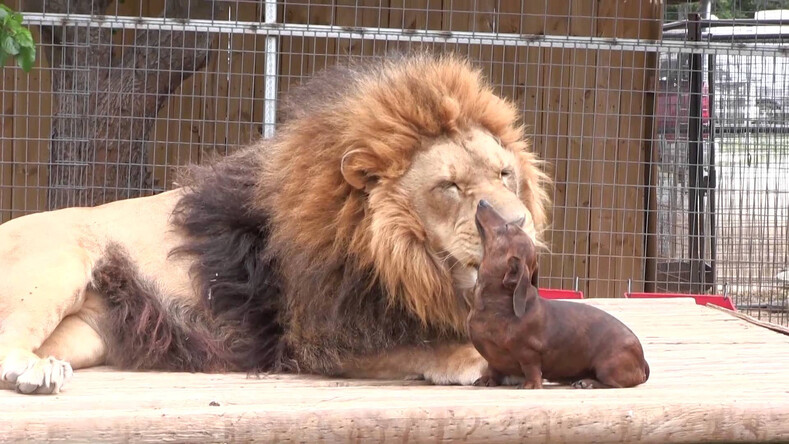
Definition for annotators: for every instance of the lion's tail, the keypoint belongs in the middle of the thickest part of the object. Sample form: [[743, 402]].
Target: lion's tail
[[148, 333]]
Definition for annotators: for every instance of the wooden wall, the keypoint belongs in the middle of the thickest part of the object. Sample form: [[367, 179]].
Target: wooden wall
[[24, 135], [589, 110]]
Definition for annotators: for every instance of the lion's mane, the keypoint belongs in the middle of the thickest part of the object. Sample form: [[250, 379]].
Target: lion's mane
[[306, 242]]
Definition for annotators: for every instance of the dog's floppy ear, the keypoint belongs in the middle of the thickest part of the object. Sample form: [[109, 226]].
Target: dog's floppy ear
[[514, 273], [535, 278], [358, 168], [525, 290]]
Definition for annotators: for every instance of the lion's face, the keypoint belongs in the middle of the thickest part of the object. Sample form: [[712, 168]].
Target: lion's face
[[444, 184], [373, 180]]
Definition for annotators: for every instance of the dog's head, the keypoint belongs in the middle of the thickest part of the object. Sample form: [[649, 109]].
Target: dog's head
[[508, 254]]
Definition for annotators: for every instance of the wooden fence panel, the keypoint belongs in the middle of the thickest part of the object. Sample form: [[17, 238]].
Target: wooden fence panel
[[585, 108], [7, 142], [26, 127]]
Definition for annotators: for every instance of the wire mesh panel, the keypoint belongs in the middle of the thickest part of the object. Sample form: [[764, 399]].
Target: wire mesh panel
[[666, 145], [725, 230]]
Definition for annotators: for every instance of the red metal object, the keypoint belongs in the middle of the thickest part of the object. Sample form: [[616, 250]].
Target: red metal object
[[552, 293], [673, 105], [701, 299]]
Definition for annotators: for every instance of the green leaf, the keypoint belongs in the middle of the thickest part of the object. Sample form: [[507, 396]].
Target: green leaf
[[17, 17], [3, 56], [25, 39], [26, 59], [4, 12], [10, 46]]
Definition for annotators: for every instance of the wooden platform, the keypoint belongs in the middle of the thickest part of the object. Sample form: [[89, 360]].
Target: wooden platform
[[714, 378]]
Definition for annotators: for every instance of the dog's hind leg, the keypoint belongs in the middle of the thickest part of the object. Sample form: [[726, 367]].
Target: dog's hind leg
[[37, 291], [622, 369]]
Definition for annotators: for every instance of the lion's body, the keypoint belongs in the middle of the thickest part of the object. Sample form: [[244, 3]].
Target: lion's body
[[328, 249]]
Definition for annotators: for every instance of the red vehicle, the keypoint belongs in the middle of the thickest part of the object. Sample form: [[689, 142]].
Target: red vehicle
[[673, 99]]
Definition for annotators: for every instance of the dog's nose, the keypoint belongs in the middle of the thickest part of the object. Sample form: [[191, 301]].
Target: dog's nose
[[483, 204]]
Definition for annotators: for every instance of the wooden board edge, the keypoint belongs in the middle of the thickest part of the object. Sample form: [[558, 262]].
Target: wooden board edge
[[768, 325]]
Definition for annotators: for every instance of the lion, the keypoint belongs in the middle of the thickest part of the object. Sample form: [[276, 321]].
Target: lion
[[344, 246]]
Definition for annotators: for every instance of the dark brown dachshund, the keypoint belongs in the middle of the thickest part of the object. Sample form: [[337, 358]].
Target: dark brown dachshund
[[521, 334]]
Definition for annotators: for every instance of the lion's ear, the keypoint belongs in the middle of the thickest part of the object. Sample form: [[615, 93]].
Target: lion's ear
[[359, 169]]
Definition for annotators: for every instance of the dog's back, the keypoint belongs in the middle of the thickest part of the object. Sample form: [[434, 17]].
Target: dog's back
[[579, 337]]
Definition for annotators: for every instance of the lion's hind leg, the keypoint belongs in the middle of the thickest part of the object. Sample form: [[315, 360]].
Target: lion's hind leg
[[40, 284]]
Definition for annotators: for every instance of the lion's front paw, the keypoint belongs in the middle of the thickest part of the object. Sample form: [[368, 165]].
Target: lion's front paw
[[465, 372], [36, 376], [486, 381], [587, 384]]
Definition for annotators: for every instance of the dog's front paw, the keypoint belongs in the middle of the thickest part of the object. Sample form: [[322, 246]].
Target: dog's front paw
[[530, 385], [34, 375]]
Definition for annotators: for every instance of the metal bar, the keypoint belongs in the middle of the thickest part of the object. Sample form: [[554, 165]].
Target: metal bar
[[707, 37], [706, 13], [400, 35], [713, 177], [694, 167], [719, 23], [746, 128], [271, 73]]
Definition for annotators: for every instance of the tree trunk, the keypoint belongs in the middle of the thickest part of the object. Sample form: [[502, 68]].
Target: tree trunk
[[105, 106]]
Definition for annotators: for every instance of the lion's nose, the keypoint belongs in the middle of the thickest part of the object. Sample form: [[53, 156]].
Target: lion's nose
[[509, 211], [519, 221]]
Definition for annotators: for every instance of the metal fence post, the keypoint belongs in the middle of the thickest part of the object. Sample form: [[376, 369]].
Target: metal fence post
[[271, 72], [695, 156]]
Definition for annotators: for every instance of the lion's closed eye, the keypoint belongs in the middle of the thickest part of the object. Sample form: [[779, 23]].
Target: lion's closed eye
[[448, 186]]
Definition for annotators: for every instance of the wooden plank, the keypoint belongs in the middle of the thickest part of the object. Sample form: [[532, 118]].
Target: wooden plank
[[530, 18], [247, 65], [214, 100], [123, 40], [469, 15], [259, 92], [629, 193], [32, 129], [580, 132], [603, 166], [458, 15], [302, 57], [694, 353], [774, 327], [366, 13], [177, 133], [10, 94], [418, 14], [556, 74], [507, 60], [7, 142], [291, 49]]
